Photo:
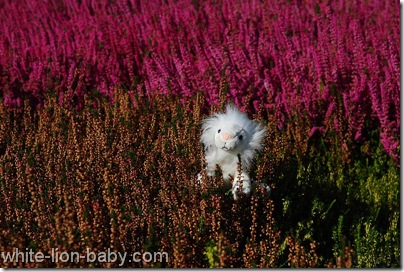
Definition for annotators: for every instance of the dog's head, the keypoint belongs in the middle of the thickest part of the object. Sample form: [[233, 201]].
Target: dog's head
[[233, 132]]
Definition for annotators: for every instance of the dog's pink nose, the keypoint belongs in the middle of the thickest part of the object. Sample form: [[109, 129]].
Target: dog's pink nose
[[227, 136]]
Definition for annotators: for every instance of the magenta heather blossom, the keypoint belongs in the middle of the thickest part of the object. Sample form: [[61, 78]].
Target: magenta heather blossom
[[329, 61]]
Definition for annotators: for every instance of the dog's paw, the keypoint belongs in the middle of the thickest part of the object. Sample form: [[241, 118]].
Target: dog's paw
[[245, 189], [199, 179], [265, 188]]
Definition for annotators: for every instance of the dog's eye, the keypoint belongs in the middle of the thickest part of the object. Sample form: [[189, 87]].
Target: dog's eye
[[219, 131], [240, 137]]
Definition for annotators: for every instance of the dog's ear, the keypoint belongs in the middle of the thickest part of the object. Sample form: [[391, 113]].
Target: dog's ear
[[258, 136], [208, 131]]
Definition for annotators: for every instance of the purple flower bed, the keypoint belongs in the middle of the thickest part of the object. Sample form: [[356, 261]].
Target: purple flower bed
[[335, 63]]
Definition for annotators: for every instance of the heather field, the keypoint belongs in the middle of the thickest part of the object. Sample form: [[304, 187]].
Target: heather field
[[100, 119]]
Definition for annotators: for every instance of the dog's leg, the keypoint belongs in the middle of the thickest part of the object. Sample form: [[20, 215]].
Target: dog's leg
[[241, 180]]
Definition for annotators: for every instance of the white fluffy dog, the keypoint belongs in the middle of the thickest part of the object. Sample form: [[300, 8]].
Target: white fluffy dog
[[230, 138]]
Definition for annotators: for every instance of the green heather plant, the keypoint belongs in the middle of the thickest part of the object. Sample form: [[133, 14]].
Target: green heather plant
[[123, 177]]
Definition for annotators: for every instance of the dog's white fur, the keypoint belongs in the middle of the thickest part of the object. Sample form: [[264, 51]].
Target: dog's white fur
[[227, 137]]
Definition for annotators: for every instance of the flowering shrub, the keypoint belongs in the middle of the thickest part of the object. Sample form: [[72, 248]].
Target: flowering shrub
[[124, 178], [335, 63], [101, 108]]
